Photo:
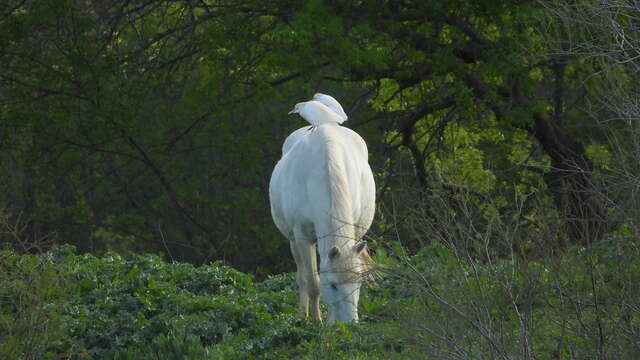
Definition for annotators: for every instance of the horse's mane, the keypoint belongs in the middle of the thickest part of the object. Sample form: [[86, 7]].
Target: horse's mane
[[369, 267]]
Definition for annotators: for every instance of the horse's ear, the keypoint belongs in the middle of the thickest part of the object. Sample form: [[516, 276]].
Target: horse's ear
[[334, 253], [359, 247]]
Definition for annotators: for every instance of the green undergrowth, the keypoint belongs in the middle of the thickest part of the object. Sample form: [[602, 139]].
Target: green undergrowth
[[443, 303], [64, 305], [437, 304]]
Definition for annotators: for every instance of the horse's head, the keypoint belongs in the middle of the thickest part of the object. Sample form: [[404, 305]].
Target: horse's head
[[341, 274]]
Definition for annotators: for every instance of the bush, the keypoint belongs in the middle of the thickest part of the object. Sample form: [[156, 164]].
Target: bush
[[440, 303], [144, 308], [32, 300], [145, 305], [445, 304]]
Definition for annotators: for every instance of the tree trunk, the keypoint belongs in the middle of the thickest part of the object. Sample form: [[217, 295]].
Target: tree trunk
[[570, 181]]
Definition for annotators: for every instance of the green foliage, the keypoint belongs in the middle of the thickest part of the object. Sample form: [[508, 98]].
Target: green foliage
[[33, 296], [574, 304], [154, 127], [61, 304], [171, 346], [122, 305], [139, 131]]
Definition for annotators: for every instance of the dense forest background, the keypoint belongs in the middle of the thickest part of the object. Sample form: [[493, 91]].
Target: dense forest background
[[153, 125], [137, 139]]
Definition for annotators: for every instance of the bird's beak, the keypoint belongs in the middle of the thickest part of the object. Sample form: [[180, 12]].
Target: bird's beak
[[291, 112]]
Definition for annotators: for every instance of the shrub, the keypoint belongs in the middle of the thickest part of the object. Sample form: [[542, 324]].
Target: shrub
[[449, 303], [32, 300], [440, 303], [109, 307]]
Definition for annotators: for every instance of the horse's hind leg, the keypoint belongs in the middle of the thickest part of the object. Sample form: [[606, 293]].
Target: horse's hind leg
[[303, 304], [307, 277]]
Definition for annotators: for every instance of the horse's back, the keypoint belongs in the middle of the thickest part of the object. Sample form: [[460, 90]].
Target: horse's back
[[300, 190]]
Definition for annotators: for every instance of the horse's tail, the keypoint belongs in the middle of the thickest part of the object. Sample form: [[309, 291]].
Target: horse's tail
[[341, 221]]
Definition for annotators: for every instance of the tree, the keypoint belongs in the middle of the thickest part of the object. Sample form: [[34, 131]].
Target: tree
[[125, 125], [478, 69], [603, 37], [154, 125]]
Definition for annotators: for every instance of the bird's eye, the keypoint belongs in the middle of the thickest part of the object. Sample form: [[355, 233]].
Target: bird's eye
[[334, 286]]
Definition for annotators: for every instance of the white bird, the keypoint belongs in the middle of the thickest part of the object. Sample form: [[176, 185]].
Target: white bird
[[332, 103], [316, 113]]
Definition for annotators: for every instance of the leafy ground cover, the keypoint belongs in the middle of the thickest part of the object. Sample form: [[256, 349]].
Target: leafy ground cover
[[60, 305], [437, 304]]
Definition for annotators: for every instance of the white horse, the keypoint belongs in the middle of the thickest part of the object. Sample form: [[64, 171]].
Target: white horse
[[322, 196]]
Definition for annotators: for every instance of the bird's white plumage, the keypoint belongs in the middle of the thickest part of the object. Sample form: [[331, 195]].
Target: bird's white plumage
[[332, 104], [316, 113]]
